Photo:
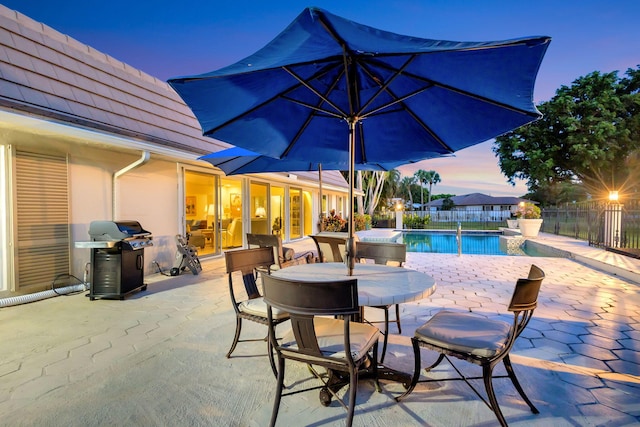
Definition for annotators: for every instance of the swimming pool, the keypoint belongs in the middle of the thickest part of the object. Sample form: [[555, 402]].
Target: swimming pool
[[473, 243]]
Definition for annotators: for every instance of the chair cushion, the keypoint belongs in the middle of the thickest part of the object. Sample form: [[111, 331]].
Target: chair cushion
[[330, 334], [258, 307], [465, 333]]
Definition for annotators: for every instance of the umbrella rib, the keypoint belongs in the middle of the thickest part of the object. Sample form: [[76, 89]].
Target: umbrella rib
[[384, 87], [278, 95], [472, 95], [314, 109], [318, 94]]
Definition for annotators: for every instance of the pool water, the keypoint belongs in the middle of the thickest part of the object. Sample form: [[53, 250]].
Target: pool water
[[473, 243]]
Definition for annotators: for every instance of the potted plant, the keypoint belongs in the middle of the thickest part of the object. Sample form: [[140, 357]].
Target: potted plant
[[529, 220], [512, 222]]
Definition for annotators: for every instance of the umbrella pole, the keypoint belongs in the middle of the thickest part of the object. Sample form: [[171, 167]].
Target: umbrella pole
[[321, 216], [350, 247]]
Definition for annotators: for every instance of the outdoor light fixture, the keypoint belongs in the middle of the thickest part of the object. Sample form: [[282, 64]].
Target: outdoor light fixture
[[261, 212], [613, 196], [398, 206]]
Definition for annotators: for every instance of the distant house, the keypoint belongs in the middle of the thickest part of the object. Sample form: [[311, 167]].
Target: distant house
[[475, 207]]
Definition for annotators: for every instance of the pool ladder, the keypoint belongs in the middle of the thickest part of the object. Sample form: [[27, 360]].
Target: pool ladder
[[459, 238]]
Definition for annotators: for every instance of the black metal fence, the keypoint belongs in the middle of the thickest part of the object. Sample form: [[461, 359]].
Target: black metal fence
[[611, 226]]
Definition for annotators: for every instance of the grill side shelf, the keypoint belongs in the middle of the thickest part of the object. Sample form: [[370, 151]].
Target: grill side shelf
[[96, 244]]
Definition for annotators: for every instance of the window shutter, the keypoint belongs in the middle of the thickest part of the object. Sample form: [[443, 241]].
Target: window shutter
[[42, 214]]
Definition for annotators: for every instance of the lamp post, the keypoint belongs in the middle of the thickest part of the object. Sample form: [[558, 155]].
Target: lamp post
[[613, 221], [399, 213]]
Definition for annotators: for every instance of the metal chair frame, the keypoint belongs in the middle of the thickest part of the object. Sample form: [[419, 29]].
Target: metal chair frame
[[522, 305], [330, 248], [309, 304], [383, 253], [247, 262]]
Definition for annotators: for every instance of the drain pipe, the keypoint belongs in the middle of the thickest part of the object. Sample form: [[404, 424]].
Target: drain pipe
[[459, 238], [38, 296], [141, 161]]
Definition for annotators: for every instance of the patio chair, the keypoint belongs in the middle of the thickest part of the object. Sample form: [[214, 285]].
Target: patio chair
[[330, 248], [317, 340], [479, 340], [283, 256], [387, 254], [254, 309]]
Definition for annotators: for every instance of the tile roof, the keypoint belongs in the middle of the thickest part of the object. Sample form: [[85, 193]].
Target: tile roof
[[478, 199], [49, 74]]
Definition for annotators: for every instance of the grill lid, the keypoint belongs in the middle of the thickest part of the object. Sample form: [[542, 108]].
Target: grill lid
[[116, 230]]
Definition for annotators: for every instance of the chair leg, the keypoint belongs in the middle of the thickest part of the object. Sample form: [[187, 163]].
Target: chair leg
[[516, 383], [279, 387], [487, 371], [436, 363], [236, 337], [385, 335], [416, 370], [398, 318], [271, 360], [353, 389]]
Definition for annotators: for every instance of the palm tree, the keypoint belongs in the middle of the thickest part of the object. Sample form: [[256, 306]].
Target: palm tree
[[433, 179], [424, 177], [405, 188]]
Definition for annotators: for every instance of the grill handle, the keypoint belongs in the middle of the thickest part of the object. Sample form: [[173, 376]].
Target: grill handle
[[139, 262]]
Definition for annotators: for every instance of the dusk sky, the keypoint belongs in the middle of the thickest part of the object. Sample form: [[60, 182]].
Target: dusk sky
[[169, 39]]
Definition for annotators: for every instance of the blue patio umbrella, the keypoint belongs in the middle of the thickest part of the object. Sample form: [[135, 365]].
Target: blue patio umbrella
[[236, 161], [330, 89]]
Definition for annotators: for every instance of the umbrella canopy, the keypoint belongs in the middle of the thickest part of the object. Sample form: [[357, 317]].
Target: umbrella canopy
[[236, 161], [334, 90]]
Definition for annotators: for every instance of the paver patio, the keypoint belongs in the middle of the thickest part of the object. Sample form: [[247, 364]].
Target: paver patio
[[157, 358]]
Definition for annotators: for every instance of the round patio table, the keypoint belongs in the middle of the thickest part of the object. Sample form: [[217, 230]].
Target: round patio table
[[377, 284]]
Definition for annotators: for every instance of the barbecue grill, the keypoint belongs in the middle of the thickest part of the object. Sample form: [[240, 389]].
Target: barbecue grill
[[117, 258]]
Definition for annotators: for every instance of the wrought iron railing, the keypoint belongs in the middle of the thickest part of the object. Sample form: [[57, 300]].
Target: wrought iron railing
[[611, 226]]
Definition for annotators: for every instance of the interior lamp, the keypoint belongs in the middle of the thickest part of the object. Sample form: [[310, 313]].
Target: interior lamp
[[261, 212]]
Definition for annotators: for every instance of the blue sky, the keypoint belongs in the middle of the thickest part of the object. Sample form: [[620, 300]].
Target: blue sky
[[167, 39]]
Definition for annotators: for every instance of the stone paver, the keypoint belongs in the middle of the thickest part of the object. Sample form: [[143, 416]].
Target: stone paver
[[157, 358]]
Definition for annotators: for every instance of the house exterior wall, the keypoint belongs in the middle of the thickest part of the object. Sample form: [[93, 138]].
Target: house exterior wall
[[61, 97]]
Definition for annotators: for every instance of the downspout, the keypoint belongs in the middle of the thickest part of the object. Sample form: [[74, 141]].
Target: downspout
[[141, 161]]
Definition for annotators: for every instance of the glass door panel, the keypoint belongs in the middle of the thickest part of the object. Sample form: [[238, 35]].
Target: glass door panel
[[277, 210], [231, 231], [295, 213]]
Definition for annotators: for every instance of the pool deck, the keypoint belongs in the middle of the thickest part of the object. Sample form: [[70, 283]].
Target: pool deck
[[157, 358]]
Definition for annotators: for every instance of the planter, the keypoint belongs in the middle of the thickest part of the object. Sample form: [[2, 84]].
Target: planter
[[529, 227], [512, 223]]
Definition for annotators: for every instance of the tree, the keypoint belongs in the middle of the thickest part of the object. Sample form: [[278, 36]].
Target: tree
[[589, 135], [427, 177], [405, 188]]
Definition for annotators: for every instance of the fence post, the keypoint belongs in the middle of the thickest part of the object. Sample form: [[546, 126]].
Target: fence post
[[612, 225]]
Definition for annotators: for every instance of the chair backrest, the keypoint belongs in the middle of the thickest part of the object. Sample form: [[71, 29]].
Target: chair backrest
[[305, 299], [273, 241], [525, 294], [523, 302], [247, 261], [382, 252], [330, 248]]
